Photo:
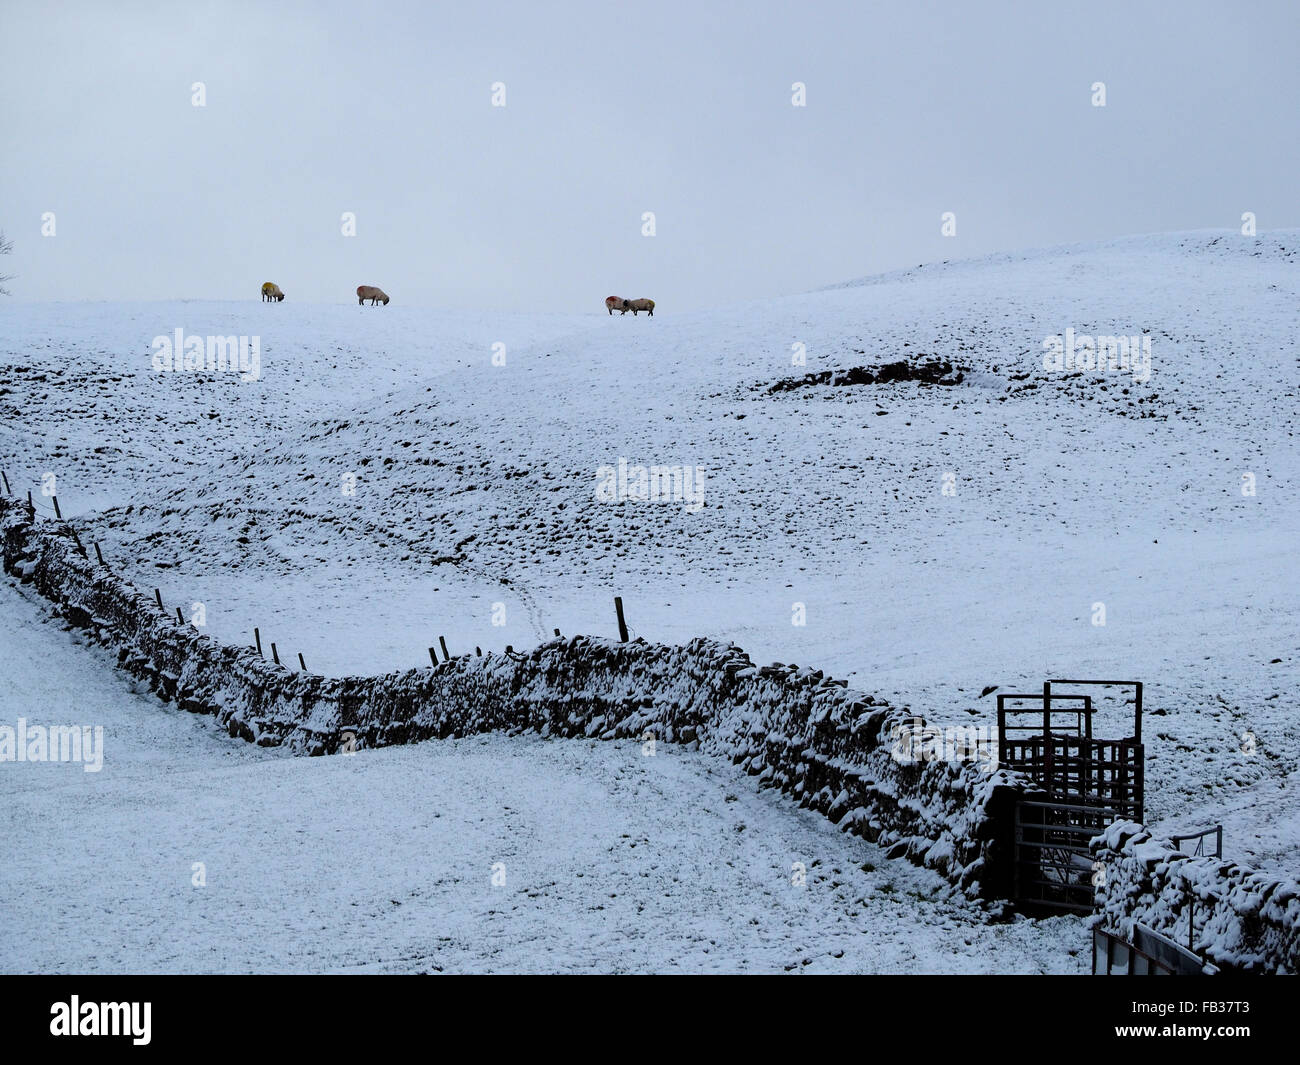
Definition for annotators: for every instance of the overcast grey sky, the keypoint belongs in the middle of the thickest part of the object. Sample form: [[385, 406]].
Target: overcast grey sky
[[683, 109]]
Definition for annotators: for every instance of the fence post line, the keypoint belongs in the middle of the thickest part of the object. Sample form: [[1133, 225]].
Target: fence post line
[[158, 595], [179, 616], [99, 555], [622, 625], [274, 653], [55, 501], [442, 642], [301, 662], [258, 637], [433, 656]]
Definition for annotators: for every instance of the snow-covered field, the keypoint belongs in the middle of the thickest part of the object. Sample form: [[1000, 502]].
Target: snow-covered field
[[476, 486], [384, 861]]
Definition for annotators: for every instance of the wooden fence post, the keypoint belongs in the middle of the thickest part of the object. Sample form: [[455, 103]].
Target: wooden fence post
[[274, 653], [8, 491], [433, 656], [622, 625], [158, 595], [301, 662], [258, 637], [55, 501], [99, 555], [442, 642], [179, 616]]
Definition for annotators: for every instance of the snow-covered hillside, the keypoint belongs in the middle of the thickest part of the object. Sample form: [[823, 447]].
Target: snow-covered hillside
[[477, 485]]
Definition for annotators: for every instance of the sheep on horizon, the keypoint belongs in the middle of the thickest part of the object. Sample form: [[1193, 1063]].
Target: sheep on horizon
[[374, 295], [618, 303], [271, 293]]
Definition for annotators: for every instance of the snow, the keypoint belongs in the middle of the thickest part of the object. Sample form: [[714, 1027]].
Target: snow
[[1237, 919], [799, 729], [383, 861], [477, 486]]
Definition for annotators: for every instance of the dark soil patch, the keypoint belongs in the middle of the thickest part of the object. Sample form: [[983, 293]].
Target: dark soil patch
[[930, 372]]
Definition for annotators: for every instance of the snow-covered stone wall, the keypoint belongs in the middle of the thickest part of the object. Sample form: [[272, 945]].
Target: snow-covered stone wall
[[1240, 920], [796, 729]]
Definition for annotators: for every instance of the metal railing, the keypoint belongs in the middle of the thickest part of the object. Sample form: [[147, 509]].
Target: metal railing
[[1198, 839], [1151, 954]]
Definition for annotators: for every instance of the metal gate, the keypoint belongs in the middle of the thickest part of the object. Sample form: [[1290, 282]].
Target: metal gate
[[1082, 784], [1149, 954]]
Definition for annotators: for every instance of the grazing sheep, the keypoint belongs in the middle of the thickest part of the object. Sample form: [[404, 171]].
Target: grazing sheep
[[615, 303], [271, 293], [641, 305], [374, 295]]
